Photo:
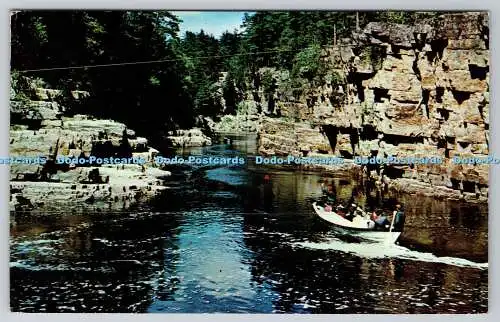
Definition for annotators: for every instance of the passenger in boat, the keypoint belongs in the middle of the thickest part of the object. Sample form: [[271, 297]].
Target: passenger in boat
[[341, 210], [324, 187], [381, 222], [360, 212], [330, 194], [399, 219], [351, 212]]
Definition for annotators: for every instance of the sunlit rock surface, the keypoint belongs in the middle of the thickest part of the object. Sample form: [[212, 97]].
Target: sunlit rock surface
[[420, 90], [38, 130], [189, 138]]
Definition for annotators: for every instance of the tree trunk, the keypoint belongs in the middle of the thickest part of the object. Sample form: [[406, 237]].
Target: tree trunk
[[334, 35]]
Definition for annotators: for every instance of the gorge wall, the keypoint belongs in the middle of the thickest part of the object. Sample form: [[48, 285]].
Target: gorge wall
[[395, 90], [39, 129]]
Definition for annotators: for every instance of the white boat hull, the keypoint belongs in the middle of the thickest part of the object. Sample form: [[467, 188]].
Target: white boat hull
[[359, 226]]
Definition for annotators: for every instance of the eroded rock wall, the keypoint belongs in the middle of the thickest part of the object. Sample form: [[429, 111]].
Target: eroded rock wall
[[404, 90], [38, 130]]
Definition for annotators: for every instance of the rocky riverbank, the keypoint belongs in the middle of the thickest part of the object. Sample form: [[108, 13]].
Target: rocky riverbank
[[248, 119], [188, 138], [39, 130], [397, 90]]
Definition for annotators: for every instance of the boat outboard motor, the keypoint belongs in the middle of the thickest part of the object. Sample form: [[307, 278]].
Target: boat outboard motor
[[399, 221]]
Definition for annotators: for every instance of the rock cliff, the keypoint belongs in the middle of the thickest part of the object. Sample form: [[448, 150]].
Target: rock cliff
[[396, 90], [188, 138], [38, 130]]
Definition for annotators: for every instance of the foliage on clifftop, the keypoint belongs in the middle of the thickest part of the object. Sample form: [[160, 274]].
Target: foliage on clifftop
[[156, 97], [22, 88]]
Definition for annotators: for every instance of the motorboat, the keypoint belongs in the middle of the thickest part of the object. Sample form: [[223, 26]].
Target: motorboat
[[360, 225]]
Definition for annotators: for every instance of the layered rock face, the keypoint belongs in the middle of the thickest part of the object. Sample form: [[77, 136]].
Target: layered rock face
[[38, 130], [248, 111], [188, 138], [399, 90], [247, 120]]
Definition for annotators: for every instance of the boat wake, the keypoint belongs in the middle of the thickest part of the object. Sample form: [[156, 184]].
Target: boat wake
[[384, 250]]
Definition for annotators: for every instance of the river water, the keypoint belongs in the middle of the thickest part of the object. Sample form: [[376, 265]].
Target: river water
[[222, 239]]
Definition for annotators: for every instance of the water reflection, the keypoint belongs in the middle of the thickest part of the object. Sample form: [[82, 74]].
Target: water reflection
[[245, 239], [109, 264]]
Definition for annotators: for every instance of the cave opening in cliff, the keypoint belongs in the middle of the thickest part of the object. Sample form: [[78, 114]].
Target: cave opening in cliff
[[460, 96], [469, 186], [354, 138], [344, 182], [396, 51], [463, 146], [377, 56], [425, 102], [335, 101], [256, 96], [344, 130], [445, 114], [381, 94], [450, 142], [402, 139], [346, 154], [357, 80], [425, 96], [415, 69], [256, 80], [478, 72], [480, 108], [50, 167], [419, 42], [485, 32], [361, 91], [442, 144], [331, 133], [105, 149], [430, 56], [474, 218], [439, 94], [356, 51], [382, 37], [33, 124], [393, 173], [438, 46], [311, 102], [270, 105], [368, 133]]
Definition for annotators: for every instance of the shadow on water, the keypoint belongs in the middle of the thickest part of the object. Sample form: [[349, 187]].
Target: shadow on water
[[244, 238], [105, 264]]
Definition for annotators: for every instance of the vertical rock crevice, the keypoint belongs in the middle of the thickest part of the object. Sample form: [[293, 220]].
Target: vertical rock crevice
[[419, 90]]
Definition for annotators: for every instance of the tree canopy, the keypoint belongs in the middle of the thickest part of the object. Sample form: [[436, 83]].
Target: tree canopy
[[182, 83]]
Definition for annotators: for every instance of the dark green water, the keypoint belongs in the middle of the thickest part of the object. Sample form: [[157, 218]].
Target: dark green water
[[222, 240]]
